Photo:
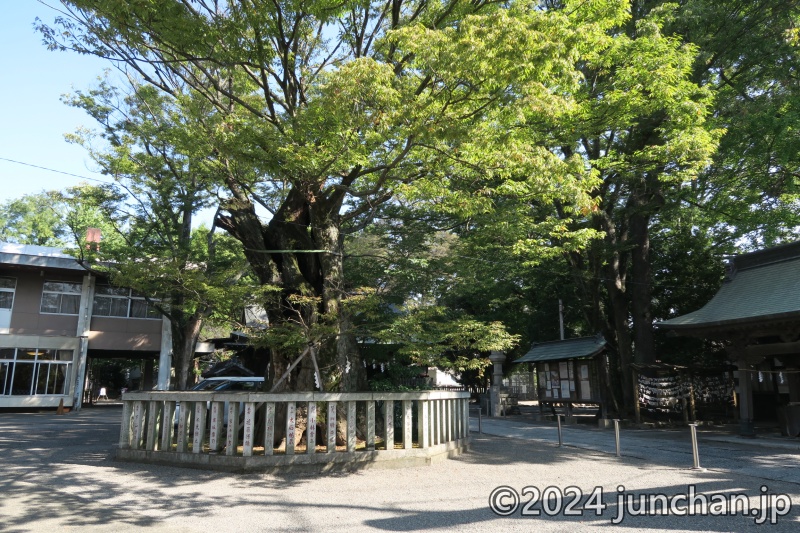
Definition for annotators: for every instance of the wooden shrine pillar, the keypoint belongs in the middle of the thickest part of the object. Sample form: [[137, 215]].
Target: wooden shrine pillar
[[793, 381], [746, 427]]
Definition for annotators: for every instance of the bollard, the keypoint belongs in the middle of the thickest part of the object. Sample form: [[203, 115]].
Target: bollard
[[480, 420], [695, 451], [560, 440], [616, 435]]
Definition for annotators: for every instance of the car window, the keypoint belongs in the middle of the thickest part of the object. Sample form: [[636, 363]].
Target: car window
[[209, 384], [244, 385]]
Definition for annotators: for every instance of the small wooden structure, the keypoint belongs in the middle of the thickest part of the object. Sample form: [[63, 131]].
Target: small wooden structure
[[568, 372], [756, 313]]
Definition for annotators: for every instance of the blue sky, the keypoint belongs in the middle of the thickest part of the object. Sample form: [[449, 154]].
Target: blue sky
[[33, 118]]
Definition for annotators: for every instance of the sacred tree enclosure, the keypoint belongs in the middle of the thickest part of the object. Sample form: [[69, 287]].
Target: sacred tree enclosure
[[243, 431]]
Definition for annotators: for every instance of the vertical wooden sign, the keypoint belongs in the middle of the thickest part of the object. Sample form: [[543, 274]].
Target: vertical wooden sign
[[269, 433], [249, 428], [311, 428], [291, 413], [331, 427]]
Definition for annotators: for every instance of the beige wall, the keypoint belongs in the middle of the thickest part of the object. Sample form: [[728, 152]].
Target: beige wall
[[106, 333], [29, 328], [25, 316], [125, 334]]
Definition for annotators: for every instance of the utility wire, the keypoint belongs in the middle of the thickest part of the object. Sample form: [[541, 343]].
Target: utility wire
[[51, 170], [483, 260]]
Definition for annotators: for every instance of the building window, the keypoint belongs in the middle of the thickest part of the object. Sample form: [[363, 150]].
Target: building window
[[61, 297], [34, 372], [7, 286], [141, 309], [121, 302], [110, 301]]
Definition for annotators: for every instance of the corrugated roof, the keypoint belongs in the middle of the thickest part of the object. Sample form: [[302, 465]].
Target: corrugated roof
[[763, 285], [566, 349]]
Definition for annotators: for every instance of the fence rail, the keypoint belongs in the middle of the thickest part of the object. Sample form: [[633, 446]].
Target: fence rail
[[245, 431]]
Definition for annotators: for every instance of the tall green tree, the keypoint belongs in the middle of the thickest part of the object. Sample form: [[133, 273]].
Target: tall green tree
[[341, 106], [748, 57], [639, 124], [741, 54], [33, 219], [150, 148], [410, 274]]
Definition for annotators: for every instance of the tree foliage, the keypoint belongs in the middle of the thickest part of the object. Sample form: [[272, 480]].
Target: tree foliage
[[426, 171], [33, 219], [149, 145], [340, 107]]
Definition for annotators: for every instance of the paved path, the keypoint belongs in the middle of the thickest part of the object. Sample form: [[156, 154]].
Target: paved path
[[766, 458], [56, 474]]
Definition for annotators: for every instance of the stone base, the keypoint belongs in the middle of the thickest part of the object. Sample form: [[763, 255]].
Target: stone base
[[318, 462]]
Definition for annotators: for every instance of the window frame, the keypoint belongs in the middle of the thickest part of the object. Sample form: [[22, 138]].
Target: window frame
[[12, 290], [61, 294], [49, 366], [130, 298]]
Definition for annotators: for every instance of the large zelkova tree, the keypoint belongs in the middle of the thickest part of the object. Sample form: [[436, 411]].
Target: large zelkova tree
[[340, 107], [159, 170]]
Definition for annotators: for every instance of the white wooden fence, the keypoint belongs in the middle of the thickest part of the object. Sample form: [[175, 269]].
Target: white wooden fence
[[239, 430]]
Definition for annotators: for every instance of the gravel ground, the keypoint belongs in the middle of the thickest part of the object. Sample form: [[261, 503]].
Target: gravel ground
[[58, 475]]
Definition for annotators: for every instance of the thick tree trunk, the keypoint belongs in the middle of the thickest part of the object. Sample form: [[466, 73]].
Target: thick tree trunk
[[300, 253], [619, 316], [616, 286], [645, 200], [185, 332], [641, 290]]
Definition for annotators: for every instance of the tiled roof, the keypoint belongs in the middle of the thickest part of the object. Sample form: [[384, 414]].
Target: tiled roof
[[762, 285], [566, 349]]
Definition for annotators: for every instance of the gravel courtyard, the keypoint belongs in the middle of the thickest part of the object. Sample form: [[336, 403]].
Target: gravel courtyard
[[58, 474]]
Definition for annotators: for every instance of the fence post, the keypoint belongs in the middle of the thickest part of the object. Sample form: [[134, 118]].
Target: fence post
[[215, 426], [408, 438], [371, 425], [560, 440], [232, 439], [311, 427], [423, 423], [167, 420], [125, 434], [153, 424], [388, 426], [198, 432], [351, 426], [269, 428], [695, 450], [249, 428]]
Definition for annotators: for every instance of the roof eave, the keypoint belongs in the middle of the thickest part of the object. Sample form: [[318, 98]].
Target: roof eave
[[720, 324]]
